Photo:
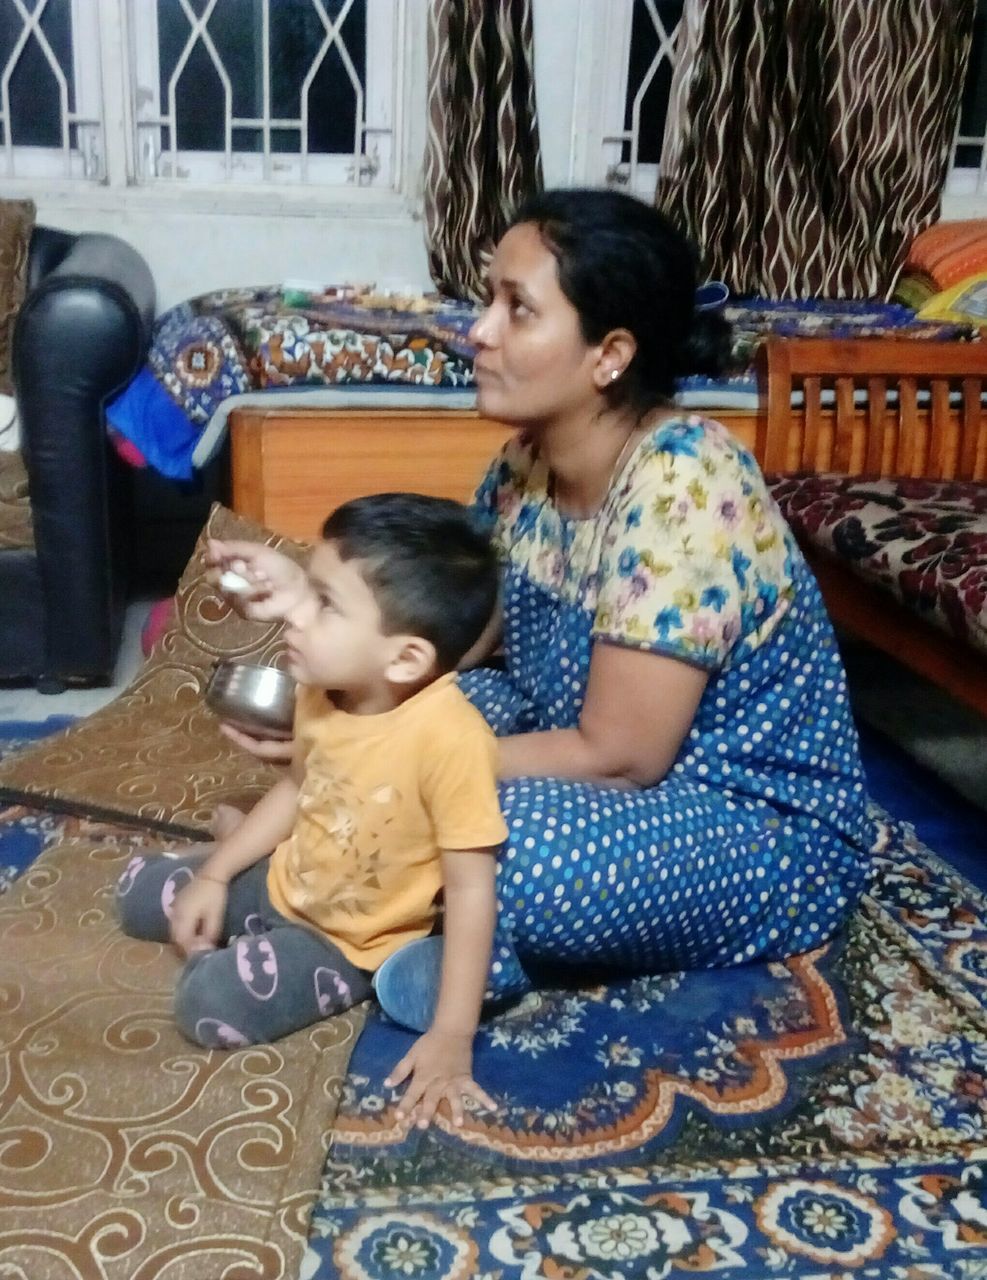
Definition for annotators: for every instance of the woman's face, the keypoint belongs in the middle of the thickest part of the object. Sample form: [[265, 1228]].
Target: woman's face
[[532, 362]]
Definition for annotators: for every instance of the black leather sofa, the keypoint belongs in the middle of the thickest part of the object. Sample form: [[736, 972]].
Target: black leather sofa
[[80, 336]]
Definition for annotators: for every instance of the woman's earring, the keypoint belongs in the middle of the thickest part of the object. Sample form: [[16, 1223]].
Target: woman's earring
[[614, 375]]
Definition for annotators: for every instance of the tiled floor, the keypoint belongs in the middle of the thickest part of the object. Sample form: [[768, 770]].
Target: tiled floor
[[928, 725], [28, 704]]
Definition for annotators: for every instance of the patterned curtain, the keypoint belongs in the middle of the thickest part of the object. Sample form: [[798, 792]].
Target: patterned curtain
[[815, 137], [482, 156]]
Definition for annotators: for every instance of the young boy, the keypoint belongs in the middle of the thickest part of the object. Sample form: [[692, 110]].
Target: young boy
[[390, 798]]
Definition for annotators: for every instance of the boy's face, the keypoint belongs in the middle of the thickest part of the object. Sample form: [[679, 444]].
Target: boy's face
[[335, 638]]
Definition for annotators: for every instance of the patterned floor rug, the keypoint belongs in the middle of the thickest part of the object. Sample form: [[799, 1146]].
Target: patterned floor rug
[[813, 1120], [24, 832], [825, 1117]]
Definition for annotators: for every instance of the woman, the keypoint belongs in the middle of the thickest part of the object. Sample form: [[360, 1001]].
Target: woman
[[680, 773]]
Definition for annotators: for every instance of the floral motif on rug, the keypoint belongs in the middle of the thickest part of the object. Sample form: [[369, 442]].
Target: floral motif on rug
[[818, 1118]]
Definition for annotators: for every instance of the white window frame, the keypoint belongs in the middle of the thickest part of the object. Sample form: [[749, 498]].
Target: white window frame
[[109, 56], [83, 163], [377, 106], [966, 185], [602, 61]]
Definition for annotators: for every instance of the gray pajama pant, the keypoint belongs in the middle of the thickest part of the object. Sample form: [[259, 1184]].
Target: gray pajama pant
[[272, 977]]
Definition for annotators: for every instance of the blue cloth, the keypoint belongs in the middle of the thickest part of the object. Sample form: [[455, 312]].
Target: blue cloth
[[146, 416]]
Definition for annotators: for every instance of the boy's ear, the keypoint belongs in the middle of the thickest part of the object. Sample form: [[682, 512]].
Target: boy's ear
[[414, 660]]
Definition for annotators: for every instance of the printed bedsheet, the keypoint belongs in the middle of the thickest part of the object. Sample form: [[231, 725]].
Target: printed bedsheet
[[277, 340]]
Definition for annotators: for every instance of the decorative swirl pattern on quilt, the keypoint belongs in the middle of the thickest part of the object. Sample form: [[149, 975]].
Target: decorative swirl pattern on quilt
[[156, 753], [127, 1153]]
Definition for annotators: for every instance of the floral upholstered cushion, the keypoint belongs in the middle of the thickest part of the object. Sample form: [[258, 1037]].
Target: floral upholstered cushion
[[925, 541]]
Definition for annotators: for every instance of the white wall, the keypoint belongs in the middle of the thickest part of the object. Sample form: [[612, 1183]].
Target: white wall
[[191, 250]]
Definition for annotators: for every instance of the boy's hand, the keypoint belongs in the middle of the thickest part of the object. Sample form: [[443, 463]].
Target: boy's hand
[[273, 750], [440, 1064], [197, 916], [276, 584]]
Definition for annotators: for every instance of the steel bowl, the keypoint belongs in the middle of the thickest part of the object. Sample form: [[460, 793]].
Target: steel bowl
[[258, 700]]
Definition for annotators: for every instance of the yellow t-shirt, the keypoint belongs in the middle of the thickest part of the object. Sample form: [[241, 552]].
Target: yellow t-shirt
[[382, 795]]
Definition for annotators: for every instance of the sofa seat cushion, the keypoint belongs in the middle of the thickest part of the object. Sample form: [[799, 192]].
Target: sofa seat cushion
[[924, 541], [16, 531]]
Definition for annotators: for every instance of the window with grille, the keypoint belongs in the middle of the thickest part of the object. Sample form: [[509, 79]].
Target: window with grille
[[222, 91], [969, 172], [642, 62], [266, 90], [640, 57], [51, 122]]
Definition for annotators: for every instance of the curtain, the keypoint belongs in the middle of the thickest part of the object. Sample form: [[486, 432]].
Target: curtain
[[813, 137], [482, 155]]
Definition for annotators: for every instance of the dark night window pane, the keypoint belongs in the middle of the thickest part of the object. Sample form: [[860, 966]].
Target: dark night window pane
[[34, 95], [654, 104], [973, 111], [296, 35]]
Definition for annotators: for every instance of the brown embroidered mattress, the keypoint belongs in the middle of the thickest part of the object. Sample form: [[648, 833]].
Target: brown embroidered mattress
[[156, 753], [127, 1153]]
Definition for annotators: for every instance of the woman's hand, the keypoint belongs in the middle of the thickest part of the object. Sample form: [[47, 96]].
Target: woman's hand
[[275, 583], [273, 750], [440, 1064], [197, 916]]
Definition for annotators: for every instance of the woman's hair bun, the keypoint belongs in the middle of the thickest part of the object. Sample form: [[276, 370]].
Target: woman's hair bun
[[707, 348]]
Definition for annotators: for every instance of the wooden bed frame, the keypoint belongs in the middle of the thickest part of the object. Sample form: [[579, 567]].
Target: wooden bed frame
[[292, 466]]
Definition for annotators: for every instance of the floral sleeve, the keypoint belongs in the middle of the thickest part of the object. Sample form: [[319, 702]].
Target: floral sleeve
[[499, 496], [695, 556]]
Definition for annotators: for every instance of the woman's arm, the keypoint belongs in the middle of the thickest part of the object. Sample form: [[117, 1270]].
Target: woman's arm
[[638, 709], [440, 1063]]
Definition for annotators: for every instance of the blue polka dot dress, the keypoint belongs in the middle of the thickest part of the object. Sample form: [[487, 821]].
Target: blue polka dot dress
[[755, 843]]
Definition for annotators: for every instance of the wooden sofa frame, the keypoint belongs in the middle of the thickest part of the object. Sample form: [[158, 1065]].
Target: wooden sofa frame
[[904, 435]]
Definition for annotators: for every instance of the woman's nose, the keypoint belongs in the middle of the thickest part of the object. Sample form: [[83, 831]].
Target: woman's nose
[[481, 332]]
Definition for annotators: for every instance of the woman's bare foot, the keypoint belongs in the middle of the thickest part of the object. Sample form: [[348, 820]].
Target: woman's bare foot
[[225, 820]]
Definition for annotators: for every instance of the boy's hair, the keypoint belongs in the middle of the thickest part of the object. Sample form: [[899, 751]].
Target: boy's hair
[[432, 570]]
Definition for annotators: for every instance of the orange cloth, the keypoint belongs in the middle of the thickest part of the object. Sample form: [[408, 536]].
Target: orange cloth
[[382, 795], [948, 252]]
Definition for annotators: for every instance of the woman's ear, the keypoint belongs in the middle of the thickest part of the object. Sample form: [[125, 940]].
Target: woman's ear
[[413, 660], [615, 353]]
